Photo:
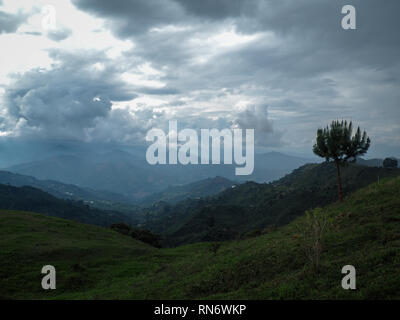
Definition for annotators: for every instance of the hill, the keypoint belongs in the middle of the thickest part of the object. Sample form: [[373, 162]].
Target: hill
[[62, 190], [198, 189], [252, 207], [79, 252], [370, 162], [32, 199], [96, 263]]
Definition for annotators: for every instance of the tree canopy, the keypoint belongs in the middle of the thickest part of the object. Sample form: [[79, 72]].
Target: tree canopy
[[338, 143]]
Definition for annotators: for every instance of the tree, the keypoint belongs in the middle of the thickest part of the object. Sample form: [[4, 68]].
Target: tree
[[338, 143], [390, 163]]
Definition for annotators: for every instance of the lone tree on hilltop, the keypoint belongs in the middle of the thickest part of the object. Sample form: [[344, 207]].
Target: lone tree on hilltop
[[338, 143]]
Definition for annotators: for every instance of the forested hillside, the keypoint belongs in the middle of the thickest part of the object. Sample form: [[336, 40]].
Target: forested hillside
[[251, 208], [32, 199]]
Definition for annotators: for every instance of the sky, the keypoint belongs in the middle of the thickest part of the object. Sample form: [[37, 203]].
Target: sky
[[109, 71]]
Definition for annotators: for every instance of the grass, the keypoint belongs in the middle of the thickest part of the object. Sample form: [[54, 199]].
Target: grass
[[97, 263]]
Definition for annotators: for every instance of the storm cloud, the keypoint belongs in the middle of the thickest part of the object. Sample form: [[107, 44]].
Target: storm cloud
[[284, 68], [10, 22], [66, 100]]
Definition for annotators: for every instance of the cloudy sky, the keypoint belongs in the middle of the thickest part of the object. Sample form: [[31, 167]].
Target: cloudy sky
[[112, 70]]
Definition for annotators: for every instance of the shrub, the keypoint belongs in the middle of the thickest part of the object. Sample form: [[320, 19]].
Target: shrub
[[139, 234], [121, 228], [147, 237], [312, 229]]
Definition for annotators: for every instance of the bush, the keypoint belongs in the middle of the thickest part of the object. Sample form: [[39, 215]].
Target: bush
[[147, 237], [139, 234], [121, 228], [312, 229]]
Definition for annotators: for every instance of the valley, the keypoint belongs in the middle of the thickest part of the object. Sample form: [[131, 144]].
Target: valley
[[98, 263]]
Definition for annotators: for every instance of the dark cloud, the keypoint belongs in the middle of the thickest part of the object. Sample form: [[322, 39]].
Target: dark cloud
[[216, 56], [310, 30], [132, 17], [221, 9], [123, 126], [59, 34], [9, 22], [62, 102], [256, 117]]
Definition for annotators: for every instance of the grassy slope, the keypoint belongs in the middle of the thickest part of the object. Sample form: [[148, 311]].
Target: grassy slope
[[365, 233]]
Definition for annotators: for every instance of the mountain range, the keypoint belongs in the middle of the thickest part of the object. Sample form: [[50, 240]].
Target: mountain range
[[62, 190], [212, 209], [123, 169]]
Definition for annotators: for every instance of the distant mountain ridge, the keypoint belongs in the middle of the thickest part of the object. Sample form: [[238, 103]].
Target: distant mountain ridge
[[129, 174], [195, 190], [376, 162], [109, 200], [59, 189], [370, 162]]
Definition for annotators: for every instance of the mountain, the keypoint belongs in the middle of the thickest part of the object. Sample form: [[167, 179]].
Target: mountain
[[104, 173], [113, 201], [252, 207], [32, 199], [124, 170], [274, 165], [370, 162], [62, 190], [98, 263], [195, 190]]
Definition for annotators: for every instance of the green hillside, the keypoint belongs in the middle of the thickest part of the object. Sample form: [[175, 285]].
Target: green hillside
[[35, 200], [251, 207], [96, 263]]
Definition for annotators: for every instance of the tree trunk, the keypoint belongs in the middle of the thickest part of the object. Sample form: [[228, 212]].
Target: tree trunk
[[339, 183]]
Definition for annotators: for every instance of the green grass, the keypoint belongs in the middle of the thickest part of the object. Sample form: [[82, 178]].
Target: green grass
[[96, 263]]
